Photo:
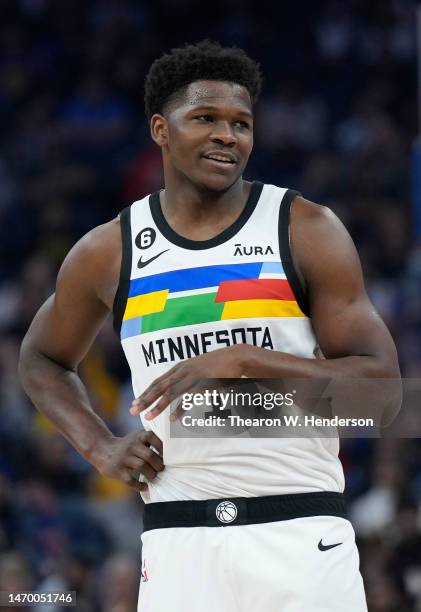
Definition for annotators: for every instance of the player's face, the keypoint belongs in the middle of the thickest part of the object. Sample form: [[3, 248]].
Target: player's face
[[210, 134]]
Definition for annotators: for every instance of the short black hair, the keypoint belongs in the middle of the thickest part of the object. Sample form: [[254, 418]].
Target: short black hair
[[170, 74]]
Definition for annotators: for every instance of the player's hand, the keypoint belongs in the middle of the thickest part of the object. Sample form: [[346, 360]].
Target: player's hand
[[126, 458], [188, 377]]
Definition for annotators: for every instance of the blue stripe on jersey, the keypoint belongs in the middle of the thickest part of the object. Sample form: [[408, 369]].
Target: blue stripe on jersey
[[194, 278], [131, 327], [271, 267]]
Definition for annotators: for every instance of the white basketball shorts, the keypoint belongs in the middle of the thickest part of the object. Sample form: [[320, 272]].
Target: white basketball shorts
[[303, 564]]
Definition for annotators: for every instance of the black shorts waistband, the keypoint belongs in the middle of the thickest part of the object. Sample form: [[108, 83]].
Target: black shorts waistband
[[242, 510]]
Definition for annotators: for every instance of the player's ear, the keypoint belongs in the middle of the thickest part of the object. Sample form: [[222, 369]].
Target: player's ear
[[159, 129]]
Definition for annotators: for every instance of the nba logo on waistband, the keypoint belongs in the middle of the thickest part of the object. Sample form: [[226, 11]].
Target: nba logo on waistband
[[226, 512]]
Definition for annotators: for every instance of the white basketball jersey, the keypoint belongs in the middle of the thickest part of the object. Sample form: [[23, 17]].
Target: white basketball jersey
[[179, 298]]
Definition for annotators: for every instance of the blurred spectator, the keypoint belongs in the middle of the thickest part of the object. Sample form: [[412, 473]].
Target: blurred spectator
[[94, 125], [15, 575], [373, 512], [119, 583]]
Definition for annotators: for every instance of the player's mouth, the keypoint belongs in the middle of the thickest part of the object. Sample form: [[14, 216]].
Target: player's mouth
[[221, 159]]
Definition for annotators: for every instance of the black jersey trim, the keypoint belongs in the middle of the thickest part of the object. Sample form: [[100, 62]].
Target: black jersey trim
[[122, 294], [285, 251], [196, 245], [248, 510]]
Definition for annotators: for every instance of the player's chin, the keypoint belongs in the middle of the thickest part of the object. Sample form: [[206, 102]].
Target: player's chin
[[218, 183]]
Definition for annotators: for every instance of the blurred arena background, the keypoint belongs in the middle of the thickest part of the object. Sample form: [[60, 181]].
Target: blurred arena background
[[337, 120]]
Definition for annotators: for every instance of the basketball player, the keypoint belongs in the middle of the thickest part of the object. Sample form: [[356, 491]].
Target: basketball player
[[216, 277]]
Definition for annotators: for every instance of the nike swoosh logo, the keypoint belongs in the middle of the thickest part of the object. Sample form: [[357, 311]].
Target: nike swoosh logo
[[142, 264], [324, 547]]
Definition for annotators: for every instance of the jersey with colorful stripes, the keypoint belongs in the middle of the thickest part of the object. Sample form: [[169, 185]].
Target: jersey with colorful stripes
[[180, 298]]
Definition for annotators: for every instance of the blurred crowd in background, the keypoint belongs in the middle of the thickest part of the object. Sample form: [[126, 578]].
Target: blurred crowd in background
[[336, 120]]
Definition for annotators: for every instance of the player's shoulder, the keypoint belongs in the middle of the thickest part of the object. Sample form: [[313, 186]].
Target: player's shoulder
[[315, 221], [302, 210], [319, 240], [306, 211], [102, 238], [94, 261]]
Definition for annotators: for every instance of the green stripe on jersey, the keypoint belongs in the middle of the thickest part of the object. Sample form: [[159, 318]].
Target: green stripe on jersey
[[189, 310]]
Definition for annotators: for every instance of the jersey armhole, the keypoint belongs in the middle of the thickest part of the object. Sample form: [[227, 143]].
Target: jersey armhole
[[122, 293], [285, 251]]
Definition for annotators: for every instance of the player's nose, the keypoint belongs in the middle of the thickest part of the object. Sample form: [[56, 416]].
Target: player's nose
[[222, 133]]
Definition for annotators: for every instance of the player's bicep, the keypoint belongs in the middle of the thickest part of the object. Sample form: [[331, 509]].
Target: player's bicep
[[344, 320], [63, 336], [351, 328]]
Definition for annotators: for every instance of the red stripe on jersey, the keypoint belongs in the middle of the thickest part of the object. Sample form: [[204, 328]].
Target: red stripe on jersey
[[254, 289]]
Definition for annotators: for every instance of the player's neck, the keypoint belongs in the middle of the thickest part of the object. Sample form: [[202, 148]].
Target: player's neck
[[185, 204]]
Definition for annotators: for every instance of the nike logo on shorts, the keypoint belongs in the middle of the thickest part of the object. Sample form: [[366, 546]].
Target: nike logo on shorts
[[324, 547], [142, 264]]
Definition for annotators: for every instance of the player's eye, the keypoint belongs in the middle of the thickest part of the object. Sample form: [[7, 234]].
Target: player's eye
[[205, 118], [242, 124]]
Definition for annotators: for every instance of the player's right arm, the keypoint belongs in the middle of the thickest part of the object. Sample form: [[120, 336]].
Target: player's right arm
[[58, 339]]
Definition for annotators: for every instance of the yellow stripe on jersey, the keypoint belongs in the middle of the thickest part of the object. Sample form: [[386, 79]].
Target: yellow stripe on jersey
[[243, 309], [145, 304]]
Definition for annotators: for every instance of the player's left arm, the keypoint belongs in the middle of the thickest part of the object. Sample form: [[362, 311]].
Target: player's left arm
[[350, 333]]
